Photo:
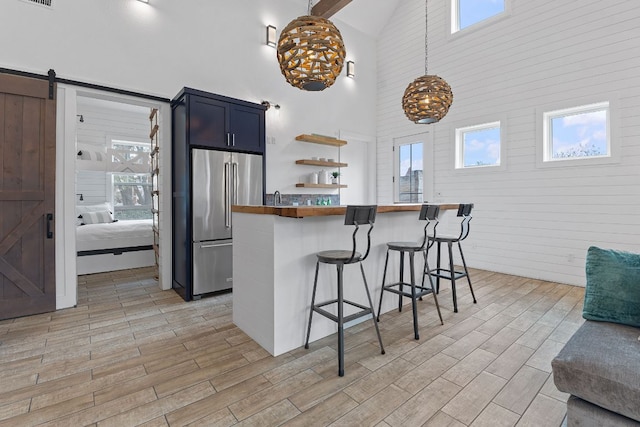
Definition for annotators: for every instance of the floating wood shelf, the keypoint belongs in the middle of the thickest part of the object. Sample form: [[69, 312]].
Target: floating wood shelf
[[308, 185], [319, 139], [321, 163]]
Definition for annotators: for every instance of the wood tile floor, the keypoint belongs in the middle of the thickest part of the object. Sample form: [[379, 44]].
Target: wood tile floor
[[130, 354]]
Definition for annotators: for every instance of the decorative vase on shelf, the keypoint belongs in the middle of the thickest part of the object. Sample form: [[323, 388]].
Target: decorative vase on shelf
[[313, 178], [334, 180]]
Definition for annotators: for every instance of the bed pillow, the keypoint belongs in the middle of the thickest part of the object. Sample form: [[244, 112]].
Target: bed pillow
[[80, 209], [612, 293], [98, 217]]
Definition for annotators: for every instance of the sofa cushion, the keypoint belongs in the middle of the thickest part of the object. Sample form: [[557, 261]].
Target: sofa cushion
[[613, 287], [599, 364], [584, 414]]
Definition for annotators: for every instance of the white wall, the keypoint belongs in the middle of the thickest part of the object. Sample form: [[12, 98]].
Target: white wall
[[528, 220], [104, 120], [216, 46]]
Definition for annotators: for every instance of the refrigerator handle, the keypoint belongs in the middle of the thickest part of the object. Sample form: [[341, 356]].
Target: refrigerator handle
[[235, 183], [227, 196]]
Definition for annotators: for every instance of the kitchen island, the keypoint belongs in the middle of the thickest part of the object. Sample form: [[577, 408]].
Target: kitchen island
[[274, 259]]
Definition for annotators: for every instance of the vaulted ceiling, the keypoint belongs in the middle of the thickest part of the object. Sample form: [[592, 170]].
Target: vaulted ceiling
[[368, 16]]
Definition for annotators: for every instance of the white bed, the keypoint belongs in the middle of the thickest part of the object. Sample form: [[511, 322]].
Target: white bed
[[114, 246]]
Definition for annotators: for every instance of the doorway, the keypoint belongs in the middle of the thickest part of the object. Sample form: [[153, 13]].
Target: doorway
[[113, 183], [413, 168], [69, 113]]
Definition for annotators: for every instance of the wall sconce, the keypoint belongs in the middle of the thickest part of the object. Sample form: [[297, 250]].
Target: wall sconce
[[351, 69], [271, 36], [81, 196]]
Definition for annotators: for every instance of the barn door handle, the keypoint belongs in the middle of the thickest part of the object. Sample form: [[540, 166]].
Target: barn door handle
[[49, 232]]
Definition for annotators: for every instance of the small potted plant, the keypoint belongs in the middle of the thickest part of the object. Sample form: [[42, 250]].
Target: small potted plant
[[335, 177]]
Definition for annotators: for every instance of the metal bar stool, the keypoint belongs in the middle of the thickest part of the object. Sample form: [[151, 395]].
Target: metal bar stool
[[464, 214], [355, 215], [430, 214]]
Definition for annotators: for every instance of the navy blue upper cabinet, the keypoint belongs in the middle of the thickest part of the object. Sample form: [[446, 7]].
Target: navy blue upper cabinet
[[220, 122], [246, 126], [207, 122]]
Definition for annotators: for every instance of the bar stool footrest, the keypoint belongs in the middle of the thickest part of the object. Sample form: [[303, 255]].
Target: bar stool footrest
[[446, 274], [420, 290], [364, 311]]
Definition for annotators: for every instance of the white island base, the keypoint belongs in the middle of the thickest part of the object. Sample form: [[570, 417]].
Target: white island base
[[274, 259]]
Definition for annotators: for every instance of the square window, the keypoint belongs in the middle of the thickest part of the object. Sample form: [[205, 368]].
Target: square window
[[577, 133], [466, 13], [478, 146], [131, 196]]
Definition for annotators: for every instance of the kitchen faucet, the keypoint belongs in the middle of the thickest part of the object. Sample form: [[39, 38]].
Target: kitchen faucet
[[277, 198]]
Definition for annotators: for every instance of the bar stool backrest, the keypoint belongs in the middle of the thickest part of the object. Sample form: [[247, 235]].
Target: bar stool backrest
[[358, 215], [429, 213], [464, 212]]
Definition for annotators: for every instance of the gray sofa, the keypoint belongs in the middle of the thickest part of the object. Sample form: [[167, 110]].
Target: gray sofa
[[600, 368]]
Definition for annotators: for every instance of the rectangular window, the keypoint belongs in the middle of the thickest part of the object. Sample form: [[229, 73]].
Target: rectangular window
[[410, 173], [577, 133], [131, 196], [469, 12], [478, 146], [130, 191]]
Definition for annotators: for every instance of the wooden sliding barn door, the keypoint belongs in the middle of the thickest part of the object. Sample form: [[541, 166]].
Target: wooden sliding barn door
[[27, 194]]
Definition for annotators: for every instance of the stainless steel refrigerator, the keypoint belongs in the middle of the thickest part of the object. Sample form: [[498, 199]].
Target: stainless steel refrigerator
[[219, 179]]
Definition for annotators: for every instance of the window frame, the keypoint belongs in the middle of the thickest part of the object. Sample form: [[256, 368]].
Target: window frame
[[122, 208], [426, 138], [547, 141], [131, 141], [544, 157], [454, 22], [459, 131]]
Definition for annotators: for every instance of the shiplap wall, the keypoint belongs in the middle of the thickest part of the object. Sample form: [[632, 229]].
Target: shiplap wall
[[104, 120], [528, 220]]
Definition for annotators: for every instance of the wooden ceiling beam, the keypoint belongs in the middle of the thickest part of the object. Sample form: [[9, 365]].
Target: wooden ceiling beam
[[328, 8]]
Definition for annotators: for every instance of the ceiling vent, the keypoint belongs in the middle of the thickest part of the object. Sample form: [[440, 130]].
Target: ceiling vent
[[45, 3]]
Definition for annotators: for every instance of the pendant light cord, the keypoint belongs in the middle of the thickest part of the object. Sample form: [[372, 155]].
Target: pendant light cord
[[426, 31]]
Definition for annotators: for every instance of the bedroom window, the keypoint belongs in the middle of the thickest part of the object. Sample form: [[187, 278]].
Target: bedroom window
[[130, 189], [465, 13], [576, 133], [131, 196], [478, 146]]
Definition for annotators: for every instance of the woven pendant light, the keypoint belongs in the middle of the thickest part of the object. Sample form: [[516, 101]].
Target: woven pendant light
[[310, 52], [428, 98]]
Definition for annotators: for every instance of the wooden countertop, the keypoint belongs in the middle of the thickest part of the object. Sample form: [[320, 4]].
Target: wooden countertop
[[303, 211]]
